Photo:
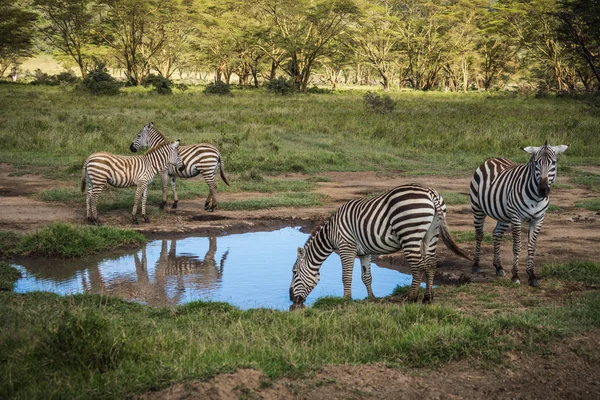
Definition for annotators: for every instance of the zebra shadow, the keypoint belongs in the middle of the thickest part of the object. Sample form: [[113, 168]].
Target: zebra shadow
[[176, 278]]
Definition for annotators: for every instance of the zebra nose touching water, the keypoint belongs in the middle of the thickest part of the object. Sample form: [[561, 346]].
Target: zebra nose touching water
[[512, 194], [409, 218], [123, 171], [199, 159]]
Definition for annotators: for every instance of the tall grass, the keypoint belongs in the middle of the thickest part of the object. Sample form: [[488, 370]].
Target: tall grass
[[426, 133]]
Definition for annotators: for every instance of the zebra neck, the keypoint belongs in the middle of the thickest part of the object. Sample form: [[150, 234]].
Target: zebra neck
[[156, 138], [319, 246]]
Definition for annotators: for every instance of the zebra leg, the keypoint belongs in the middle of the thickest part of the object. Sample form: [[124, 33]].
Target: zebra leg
[[478, 221], [211, 200], [412, 252], [430, 262], [163, 180], [498, 234], [174, 189], [534, 229], [347, 254], [94, 194], [365, 262], [138, 193], [516, 232], [144, 198]]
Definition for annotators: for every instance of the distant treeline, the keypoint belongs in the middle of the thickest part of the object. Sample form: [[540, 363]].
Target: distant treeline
[[457, 45]]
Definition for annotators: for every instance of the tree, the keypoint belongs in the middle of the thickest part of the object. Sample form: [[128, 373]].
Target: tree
[[303, 30], [70, 28], [16, 34], [580, 25]]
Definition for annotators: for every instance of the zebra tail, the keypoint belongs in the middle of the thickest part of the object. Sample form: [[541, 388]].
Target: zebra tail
[[222, 171], [445, 233], [83, 180]]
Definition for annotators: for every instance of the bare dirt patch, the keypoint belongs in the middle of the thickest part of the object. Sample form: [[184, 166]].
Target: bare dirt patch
[[571, 371]]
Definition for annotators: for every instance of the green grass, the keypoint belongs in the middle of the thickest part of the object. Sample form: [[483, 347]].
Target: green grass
[[281, 200], [592, 204], [8, 276], [64, 240], [452, 198], [574, 271], [587, 179], [91, 346], [426, 133]]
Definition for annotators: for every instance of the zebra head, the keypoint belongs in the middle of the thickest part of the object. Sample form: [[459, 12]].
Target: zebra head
[[175, 157], [142, 139], [304, 278], [544, 160]]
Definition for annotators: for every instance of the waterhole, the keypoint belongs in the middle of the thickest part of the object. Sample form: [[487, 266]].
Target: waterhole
[[249, 270]]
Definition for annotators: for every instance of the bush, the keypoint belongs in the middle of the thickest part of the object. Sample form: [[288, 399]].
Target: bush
[[161, 84], [378, 104], [182, 86], [281, 86], [65, 78], [318, 90], [99, 82], [218, 87]]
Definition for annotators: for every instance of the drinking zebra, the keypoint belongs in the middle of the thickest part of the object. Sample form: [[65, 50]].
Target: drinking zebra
[[201, 158], [406, 218], [513, 193], [126, 171]]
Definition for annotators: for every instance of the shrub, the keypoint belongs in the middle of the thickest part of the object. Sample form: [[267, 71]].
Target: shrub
[[99, 82], [378, 104], [281, 86], [318, 90], [161, 84], [182, 86], [64, 78], [218, 87]]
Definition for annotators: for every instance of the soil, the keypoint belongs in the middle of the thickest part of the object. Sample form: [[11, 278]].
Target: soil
[[571, 371]]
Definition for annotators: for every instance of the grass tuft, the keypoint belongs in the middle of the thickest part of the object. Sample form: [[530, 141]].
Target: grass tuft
[[8, 276], [587, 272], [592, 205], [64, 240]]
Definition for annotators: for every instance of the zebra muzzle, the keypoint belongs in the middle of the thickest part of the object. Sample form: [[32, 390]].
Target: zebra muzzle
[[544, 188], [182, 168], [132, 148]]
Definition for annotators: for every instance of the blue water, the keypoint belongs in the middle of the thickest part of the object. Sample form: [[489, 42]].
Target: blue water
[[248, 270]]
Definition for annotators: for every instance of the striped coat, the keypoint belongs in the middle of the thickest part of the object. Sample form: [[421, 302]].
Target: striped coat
[[409, 218], [199, 159], [122, 171], [513, 194]]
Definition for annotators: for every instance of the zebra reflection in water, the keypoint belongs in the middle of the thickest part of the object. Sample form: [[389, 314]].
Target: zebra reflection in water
[[173, 274]]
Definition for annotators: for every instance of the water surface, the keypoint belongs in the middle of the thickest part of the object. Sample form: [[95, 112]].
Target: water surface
[[247, 270]]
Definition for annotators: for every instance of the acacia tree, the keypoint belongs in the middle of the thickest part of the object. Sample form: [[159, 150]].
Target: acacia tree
[[16, 34], [304, 29], [376, 38], [136, 30], [69, 27]]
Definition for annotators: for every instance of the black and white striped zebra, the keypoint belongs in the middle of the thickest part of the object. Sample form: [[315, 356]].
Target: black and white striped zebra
[[200, 158], [126, 171], [409, 218], [512, 194]]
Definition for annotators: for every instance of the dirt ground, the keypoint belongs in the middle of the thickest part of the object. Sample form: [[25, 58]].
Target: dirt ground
[[571, 371]]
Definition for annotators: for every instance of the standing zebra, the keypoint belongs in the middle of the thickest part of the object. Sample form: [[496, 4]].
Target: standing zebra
[[202, 159], [123, 171], [407, 217], [513, 193]]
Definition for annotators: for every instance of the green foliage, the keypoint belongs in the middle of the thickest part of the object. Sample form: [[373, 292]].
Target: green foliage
[[218, 87], [99, 82], [63, 78], [161, 85], [592, 204], [378, 104], [281, 86], [65, 240], [8, 276], [587, 272]]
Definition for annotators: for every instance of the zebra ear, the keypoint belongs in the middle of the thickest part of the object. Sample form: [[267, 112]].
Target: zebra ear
[[531, 149], [560, 149], [301, 252], [176, 143], [151, 124]]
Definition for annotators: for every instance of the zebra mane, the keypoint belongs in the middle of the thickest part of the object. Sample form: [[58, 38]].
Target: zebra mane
[[160, 133], [158, 146], [320, 224]]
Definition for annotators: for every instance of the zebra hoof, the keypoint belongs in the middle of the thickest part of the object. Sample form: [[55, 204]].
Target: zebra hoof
[[135, 220], [475, 268], [500, 272], [162, 205], [516, 280], [174, 206], [427, 300], [146, 219], [534, 283]]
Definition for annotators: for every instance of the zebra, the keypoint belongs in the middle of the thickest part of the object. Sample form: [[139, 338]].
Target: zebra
[[512, 194], [201, 158], [126, 171], [409, 218]]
